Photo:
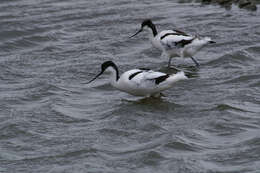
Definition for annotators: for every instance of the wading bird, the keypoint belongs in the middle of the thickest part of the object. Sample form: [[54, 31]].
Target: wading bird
[[140, 82], [174, 43]]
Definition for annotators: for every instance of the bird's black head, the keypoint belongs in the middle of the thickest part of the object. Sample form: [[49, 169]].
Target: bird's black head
[[104, 66], [107, 64], [148, 23]]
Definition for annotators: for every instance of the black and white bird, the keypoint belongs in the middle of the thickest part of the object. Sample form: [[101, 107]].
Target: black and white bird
[[174, 43], [140, 82]]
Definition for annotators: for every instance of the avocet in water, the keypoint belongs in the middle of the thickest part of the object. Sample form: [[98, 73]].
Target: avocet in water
[[140, 82], [174, 43]]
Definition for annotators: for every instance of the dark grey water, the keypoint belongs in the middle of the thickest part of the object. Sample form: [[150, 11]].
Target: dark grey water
[[52, 122]]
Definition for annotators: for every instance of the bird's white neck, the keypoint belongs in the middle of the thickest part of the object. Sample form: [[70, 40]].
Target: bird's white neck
[[150, 34], [113, 75], [152, 30]]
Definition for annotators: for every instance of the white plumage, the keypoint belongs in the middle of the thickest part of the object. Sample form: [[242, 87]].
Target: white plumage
[[140, 82], [174, 43]]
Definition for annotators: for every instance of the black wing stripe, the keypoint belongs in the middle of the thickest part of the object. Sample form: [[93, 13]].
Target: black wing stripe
[[134, 74], [174, 33], [144, 69], [167, 34], [183, 43], [181, 32], [161, 79]]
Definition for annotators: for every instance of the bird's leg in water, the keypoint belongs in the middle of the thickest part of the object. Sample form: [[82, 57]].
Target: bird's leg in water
[[196, 62], [169, 62], [158, 95], [172, 66]]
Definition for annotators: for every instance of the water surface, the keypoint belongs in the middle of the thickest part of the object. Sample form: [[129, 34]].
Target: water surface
[[52, 122]]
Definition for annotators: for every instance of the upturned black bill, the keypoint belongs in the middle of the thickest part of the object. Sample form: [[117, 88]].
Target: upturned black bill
[[140, 30], [95, 77]]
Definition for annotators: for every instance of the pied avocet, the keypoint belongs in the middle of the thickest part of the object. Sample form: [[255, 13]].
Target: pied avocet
[[140, 82], [174, 43]]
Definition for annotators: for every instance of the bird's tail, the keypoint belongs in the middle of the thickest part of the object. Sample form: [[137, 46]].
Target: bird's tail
[[198, 44], [178, 76], [208, 40], [171, 80]]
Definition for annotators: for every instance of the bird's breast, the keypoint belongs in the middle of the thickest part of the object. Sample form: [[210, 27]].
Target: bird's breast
[[156, 42]]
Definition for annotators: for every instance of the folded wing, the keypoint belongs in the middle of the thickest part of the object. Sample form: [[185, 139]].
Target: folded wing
[[176, 40]]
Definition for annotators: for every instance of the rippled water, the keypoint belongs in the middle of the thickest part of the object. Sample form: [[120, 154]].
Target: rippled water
[[52, 122]]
